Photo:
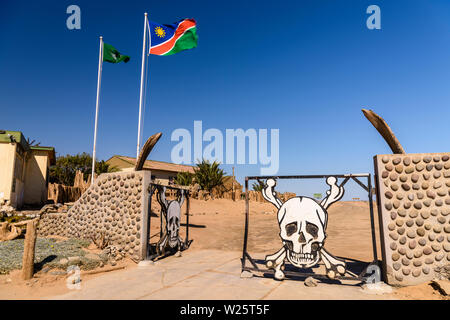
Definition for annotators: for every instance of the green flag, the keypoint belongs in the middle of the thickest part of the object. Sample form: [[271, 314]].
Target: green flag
[[110, 54]]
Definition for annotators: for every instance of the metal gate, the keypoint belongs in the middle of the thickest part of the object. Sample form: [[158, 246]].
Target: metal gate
[[169, 240], [305, 219]]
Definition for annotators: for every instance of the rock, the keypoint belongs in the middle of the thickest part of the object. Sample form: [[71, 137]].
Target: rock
[[63, 261], [406, 187], [57, 273], [93, 256], [420, 232], [310, 282], [419, 222], [74, 260], [246, 274]]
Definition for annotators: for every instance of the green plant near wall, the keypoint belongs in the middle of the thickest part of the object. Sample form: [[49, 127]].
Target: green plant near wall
[[184, 178], [63, 172], [258, 186], [208, 175]]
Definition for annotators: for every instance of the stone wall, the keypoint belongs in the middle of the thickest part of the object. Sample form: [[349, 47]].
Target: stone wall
[[116, 205], [53, 224], [414, 207]]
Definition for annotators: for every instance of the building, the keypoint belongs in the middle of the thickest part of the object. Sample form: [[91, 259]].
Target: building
[[24, 170], [166, 172]]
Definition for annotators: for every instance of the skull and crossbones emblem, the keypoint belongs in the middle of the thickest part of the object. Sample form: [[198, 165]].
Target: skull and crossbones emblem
[[172, 212], [303, 222]]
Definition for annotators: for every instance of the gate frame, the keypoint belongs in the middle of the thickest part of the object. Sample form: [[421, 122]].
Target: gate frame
[[152, 186], [246, 256]]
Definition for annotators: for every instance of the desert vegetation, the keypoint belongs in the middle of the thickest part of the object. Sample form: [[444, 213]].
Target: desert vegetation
[[66, 167]]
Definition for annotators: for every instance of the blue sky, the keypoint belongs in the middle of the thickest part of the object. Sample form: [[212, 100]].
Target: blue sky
[[304, 67]]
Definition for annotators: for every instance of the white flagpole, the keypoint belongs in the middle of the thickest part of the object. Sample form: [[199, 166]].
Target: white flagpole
[[100, 64], [142, 86]]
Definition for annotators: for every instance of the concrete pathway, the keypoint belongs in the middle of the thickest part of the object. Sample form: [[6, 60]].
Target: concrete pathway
[[205, 274]]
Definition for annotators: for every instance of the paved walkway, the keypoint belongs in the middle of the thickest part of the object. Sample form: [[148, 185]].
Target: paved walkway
[[205, 274]]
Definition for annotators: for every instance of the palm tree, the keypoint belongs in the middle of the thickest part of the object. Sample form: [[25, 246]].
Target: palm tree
[[208, 175], [258, 186], [184, 178]]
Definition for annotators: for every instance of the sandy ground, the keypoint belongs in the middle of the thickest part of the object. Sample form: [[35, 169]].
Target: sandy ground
[[219, 225]]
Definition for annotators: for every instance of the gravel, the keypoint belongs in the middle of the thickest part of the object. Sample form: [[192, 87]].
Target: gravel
[[47, 255]]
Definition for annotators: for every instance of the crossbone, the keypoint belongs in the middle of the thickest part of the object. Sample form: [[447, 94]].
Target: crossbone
[[333, 265]]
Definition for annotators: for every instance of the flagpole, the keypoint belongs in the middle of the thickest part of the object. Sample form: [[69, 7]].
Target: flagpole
[[142, 86], [100, 64]]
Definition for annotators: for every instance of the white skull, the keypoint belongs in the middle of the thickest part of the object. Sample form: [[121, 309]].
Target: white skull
[[173, 223], [302, 224]]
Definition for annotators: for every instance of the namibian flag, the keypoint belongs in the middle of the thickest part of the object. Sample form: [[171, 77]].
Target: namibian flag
[[167, 39]]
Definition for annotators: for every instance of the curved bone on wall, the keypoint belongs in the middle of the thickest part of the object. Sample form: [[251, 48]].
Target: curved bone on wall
[[385, 131]]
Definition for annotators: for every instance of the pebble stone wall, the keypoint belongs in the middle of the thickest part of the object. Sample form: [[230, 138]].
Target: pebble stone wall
[[414, 210], [116, 205], [53, 224]]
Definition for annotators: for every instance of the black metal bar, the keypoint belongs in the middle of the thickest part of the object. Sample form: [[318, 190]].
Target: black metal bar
[[361, 184], [149, 215], [372, 219], [168, 186], [251, 260], [161, 213], [344, 181], [380, 221], [244, 249], [304, 274], [361, 175], [187, 218]]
